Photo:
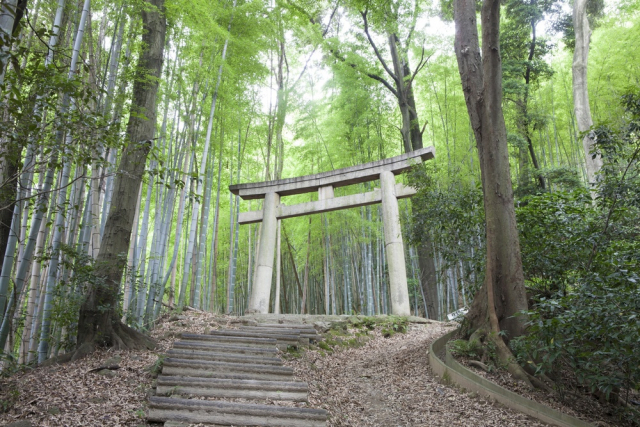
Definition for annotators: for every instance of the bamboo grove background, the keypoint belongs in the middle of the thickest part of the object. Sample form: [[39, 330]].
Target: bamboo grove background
[[250, 92]]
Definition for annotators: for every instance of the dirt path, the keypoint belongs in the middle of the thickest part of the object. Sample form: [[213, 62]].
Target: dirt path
[[388, 383]]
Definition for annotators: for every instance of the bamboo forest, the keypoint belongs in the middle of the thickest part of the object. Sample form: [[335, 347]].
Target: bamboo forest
[[129, 128]]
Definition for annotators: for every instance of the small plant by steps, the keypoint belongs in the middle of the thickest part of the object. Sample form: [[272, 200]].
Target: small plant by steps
[[358, 330]]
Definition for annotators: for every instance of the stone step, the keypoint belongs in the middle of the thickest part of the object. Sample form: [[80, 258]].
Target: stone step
[[300, 326], [312, 337], [206, 368], [310, 334], [256, 333], [306, 338], [228, 388], [279, 331], [281, 339], [178, 372], [245, 341], [162, 409], [226, 348], [222, 357]]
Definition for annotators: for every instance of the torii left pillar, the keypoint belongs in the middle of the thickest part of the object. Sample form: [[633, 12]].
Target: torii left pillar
[[259, 301], [394, 247]]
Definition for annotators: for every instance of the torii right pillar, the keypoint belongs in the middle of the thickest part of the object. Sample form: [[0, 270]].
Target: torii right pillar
[[394, 246]]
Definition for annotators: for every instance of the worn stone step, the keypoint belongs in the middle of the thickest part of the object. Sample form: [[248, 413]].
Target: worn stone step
[[305, 338], [222, 357], [314, 337], [280, 338], [272, 330], [226, 348], [299, 326], [256, 333], [205, 368], [309, 334], [229, 388], [245, 341], [178, 372], [283, 330], [162, 409]]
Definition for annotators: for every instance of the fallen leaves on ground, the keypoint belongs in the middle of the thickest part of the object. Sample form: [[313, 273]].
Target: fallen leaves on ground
[[385, 383], [71, 395], [578, 403], [388, 382]]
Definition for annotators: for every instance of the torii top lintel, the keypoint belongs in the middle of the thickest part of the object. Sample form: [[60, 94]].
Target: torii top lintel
[[335, 178]]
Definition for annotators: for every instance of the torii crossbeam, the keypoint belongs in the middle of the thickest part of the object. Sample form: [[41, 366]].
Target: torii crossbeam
[[388, 194]]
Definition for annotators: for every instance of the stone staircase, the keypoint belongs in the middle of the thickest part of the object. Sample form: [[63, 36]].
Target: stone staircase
[[229, 376]]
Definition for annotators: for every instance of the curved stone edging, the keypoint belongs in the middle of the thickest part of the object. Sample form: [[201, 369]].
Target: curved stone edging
[[450, 370]]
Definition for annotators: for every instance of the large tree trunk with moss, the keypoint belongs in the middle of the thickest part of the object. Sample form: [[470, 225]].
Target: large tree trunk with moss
[[99, 323], [580, 92], [502, 294]]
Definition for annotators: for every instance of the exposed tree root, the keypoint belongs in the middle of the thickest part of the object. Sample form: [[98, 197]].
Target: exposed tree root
[[506, 358], [118, 337], [503, 353], [479, 365]]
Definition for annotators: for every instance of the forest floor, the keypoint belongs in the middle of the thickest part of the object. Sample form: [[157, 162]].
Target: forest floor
[[380, 382], [388, 382], [578, 402]]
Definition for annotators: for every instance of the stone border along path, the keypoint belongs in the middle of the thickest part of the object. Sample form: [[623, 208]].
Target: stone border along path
[[453, 372], [234, 364]]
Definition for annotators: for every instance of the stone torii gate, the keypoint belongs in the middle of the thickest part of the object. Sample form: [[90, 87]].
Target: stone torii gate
[[388, 194]]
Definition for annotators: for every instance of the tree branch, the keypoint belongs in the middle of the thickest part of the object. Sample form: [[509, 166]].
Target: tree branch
[[324, 33], [381, 80], [370, 75], [375, 48], [302, 11], [413, 27], [424, 127], [335, 8], [337, 55], [420, 66]]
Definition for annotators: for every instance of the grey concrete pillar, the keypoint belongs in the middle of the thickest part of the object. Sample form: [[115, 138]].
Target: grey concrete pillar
[[325, 192], [259, 301], [276, 302], [394, 247]]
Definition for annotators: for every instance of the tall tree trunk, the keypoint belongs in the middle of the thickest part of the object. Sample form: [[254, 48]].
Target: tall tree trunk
[[98, 321], [411, 134], [482, 86], [216, 222], [593, 161], [428, 279], [502, 294], [524, 108]]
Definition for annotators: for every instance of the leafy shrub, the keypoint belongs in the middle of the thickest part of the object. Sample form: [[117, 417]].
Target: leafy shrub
[[594, 331], [582, 256], [555, 230], [466, 348]]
